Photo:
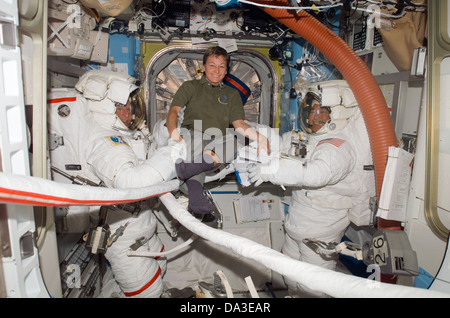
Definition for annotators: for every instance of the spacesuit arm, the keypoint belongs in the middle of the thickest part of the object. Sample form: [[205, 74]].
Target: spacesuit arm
[[117, 165], [328, 165], [158, 168], [131, 176]]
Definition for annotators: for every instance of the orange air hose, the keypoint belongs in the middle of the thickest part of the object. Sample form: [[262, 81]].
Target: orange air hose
[[360, 79]]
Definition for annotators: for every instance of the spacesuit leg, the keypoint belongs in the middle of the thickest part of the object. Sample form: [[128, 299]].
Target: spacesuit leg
[[291, 249], [155, 244], [331, 230], [299, 251], [136, 276]]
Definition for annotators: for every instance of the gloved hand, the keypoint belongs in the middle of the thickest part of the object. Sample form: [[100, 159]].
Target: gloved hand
[[262, 172], [254, 173]]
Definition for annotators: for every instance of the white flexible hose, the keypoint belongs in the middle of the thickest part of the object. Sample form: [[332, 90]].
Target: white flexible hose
[[323, 280], [155, 254], [18, 189]]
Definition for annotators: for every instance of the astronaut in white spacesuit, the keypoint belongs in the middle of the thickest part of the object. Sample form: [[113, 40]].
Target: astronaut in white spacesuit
[[332, 184], [112, 145]]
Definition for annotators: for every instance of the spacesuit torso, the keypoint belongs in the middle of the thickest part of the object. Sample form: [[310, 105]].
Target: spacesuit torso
[[336, 183], [107, 150], [90, 147]]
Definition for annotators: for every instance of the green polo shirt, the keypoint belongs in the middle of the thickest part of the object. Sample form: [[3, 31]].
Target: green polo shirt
[[216, 106]]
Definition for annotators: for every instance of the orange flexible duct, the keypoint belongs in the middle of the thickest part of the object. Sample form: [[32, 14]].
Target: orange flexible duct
[[360, 79]]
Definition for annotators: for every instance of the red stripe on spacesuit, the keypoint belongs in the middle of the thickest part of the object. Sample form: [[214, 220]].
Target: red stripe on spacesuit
[[137, 292], [334, 141], [60, 100], [162, 249]]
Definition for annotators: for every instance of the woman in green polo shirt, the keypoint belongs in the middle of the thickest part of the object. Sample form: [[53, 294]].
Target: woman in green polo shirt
[[211, 108]]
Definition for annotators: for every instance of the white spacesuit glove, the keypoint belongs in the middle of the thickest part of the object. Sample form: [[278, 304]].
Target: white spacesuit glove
[[262, 172], [254, 173]]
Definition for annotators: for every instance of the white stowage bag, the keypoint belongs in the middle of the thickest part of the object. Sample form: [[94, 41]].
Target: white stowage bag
[[110, 7]]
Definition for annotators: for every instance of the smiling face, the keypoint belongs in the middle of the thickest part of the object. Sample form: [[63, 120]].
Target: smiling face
[[318, 117], [215, 68]]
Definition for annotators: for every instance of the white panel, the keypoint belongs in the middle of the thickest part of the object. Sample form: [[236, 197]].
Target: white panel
[[21, 267], [442, 280]]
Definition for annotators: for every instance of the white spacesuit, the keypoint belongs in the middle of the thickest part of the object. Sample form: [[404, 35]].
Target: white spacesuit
[[332, 183], [105, 151]]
